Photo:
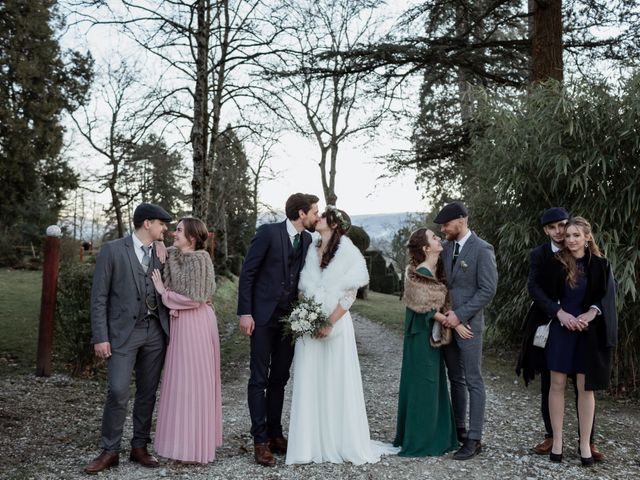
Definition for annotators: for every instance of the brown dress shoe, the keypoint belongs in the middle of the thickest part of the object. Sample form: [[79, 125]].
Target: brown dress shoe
[[142, 456], [544, 447], [102, 462], [263, 455], [278, 445], [597, 455]]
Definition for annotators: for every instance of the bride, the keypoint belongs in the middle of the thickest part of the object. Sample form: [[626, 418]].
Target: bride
[[328, 417]]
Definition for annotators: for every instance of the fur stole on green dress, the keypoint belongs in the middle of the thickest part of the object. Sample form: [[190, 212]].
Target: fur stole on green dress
[[422, 293]]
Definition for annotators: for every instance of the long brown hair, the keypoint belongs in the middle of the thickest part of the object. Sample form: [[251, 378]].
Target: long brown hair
[[196, 229], [415, 246], [565, 257], [342, 223]]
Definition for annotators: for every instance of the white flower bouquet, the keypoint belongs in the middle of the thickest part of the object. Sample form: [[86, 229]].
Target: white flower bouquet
[[306, 318]]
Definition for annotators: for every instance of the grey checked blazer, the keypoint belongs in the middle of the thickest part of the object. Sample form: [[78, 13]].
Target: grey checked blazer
[[117, 294], [473, 280]]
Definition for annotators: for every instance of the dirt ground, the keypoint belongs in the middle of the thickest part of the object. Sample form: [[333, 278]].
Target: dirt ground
[[49, 428]]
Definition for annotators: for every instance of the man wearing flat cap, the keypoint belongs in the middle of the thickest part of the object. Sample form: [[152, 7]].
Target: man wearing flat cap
[[532, 359], [472, 279], [129, 326]]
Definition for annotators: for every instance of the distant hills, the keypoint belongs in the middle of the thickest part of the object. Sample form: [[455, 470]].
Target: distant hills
[[382, 226]]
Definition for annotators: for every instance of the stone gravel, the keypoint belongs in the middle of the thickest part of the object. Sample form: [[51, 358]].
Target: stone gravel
[[49, 429]]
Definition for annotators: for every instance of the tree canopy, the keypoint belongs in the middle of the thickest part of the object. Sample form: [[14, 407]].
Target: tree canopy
[[39, 82]]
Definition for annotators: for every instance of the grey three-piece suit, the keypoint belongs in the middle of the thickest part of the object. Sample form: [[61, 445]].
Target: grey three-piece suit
[[472, 283], [120, 297]]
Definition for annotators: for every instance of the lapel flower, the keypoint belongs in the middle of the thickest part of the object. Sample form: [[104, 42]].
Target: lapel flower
[[464, 265]]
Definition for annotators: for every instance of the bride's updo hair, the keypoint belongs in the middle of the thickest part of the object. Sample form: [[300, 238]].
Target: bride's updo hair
[[342, 222]]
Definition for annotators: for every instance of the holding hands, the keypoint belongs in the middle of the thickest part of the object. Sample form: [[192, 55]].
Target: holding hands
[[451, 320], [579, 323]]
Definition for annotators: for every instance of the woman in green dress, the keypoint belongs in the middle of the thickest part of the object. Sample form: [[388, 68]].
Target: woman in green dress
[[426, 425]]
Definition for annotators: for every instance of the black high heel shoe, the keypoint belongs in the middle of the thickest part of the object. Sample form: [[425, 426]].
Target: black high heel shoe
[[587, 462], [556, 457]]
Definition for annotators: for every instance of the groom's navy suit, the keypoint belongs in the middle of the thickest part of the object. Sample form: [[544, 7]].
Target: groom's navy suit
[[268, 287]]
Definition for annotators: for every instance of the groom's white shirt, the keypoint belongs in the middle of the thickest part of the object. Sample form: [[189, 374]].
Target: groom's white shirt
[[464, 239], [291, 230]]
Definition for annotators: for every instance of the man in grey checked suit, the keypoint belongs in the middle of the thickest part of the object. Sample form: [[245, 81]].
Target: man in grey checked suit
[[129, 327], [472, 278]]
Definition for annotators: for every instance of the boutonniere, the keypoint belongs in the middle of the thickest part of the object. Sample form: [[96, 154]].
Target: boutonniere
[[464, 265]]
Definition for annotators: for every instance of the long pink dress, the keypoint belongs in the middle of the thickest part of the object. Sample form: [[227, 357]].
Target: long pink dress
[[189, 424]]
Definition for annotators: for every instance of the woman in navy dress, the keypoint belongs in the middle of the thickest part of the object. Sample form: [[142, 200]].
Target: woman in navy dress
[[577, 279]]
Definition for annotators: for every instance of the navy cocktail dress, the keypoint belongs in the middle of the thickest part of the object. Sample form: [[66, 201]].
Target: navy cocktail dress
[[566, 350]]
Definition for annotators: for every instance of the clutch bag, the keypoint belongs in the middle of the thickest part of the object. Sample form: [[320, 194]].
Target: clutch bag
[[542, 335]]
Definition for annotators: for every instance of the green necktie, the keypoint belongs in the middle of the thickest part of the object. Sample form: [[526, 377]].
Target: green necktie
[[296, 241], [456, 252]]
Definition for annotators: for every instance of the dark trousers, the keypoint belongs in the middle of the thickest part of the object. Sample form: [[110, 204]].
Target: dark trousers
[[545, 386], [143, 352], [271, 357]]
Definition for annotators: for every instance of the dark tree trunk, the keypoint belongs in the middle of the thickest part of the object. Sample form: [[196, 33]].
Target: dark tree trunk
[[546, 40], [199, 143]]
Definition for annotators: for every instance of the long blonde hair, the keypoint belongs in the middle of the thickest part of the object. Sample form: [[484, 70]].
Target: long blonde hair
[[567, 259]]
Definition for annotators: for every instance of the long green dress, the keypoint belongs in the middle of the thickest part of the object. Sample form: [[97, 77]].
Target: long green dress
[[426, 425]]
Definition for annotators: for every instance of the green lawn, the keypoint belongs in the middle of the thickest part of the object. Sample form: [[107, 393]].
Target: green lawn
[[385, 309], [234, 348], [20, 292]]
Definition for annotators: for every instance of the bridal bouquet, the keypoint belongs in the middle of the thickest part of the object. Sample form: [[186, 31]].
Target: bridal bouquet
[[306, 318]]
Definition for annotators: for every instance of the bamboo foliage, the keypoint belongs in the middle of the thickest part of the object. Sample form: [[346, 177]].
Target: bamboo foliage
[[573, 145]]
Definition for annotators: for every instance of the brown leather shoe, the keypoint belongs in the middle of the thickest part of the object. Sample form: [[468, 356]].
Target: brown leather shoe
[[544, 447], [143, 457], [102, 462], [278, 445], [597, 455], [263, 455]]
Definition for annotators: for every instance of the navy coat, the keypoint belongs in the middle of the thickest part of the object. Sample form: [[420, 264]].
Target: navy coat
[[546, 286], [265, 268]]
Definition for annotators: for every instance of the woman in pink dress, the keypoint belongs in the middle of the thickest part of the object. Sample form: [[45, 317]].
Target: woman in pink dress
[[189, 427]]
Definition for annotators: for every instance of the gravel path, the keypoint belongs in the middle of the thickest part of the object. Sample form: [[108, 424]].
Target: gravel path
[[49, 429]]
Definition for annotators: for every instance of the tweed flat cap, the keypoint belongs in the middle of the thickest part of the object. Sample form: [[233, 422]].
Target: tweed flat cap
[[149, 211], [450, 212], [554, 214]]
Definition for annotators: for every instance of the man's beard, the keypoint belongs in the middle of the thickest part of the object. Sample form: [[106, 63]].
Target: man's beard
[[311, 228]]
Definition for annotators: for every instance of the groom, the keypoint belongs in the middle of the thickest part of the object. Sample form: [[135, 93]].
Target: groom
[[268, 287], [472, 278]]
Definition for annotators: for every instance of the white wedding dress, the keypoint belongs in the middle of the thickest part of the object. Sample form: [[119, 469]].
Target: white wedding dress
[[328, 421]]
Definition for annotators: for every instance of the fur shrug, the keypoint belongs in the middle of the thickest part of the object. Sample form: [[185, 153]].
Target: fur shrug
[[423, 294], [346, 271], [190, 274]]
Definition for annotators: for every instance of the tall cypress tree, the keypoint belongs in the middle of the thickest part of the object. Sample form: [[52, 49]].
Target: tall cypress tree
[[38, 83]]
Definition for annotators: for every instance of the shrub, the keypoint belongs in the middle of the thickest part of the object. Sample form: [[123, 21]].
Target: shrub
[[73, 324], [359, 237], [575, 146], [383, 277]]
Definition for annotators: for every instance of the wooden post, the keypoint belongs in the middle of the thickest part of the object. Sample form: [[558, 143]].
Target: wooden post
[[48, 302]]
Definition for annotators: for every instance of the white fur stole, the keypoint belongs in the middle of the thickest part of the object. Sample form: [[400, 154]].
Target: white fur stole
[[346, 271]]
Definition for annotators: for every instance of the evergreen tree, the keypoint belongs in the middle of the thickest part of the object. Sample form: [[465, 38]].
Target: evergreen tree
[[160, 172], [231, 214], [39, 82]]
